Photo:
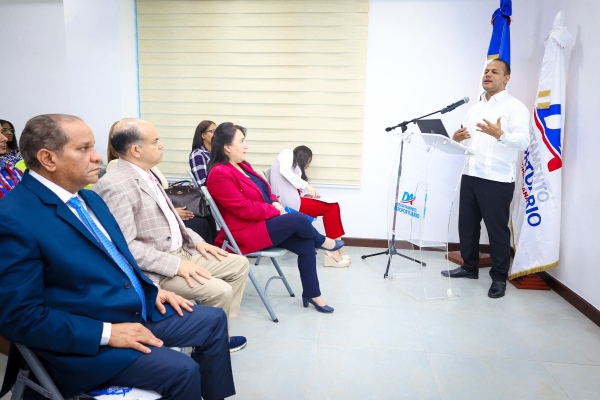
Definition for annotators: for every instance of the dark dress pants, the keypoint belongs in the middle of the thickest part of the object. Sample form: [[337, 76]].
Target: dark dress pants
[[207, 373], [203, 226], [295, 233], [490, 201]]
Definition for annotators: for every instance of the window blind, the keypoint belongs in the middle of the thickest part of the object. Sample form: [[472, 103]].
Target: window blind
[[292, 72]]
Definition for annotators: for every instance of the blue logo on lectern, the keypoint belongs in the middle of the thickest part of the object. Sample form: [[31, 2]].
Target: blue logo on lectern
[[408, 198], [403, 207]]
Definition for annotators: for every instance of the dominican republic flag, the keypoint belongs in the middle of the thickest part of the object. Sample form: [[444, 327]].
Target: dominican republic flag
[[500, 42], [536, 209]]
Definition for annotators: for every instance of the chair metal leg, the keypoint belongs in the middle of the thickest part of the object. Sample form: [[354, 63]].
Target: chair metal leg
[[258, 260], [283, 278], [47, 385], [18, 389], [262, 296]]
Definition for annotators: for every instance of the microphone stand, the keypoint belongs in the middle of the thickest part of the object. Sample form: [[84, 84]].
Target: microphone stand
[[392, 250]]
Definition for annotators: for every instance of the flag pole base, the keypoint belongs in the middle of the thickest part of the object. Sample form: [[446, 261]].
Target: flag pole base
[[484, 259], [531, 282]]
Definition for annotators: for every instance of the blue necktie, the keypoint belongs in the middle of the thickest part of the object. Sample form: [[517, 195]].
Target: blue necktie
[[114, 253]]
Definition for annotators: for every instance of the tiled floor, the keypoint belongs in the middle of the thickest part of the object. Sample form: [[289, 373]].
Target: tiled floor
[[382, 343]]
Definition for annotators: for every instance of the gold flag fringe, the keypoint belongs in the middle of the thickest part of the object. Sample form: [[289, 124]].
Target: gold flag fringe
[[533, 270]]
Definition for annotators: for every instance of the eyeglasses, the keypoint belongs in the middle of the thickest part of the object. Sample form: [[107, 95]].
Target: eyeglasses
[[210, 131], [6, 130]]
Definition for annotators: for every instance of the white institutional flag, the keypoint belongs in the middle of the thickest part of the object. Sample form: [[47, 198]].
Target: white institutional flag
[[536, 211]]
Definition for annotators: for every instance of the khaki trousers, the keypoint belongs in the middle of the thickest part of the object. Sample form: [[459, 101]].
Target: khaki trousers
[[225, 287]]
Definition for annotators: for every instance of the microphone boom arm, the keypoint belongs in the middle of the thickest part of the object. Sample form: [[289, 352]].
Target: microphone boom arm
[[451, 107]]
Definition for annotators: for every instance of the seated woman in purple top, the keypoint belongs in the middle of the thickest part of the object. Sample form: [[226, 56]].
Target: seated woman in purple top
[[201, 146]]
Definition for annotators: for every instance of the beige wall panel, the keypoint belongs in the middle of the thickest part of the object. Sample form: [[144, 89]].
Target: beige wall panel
[[253, 72], [260, 85], [280, 110], [182, 136], [281, 19], [251, 6], [254, 32], [321, 175], [242, 59], [329, 149], [320, 161], [252, 122], [291, 71], [317, 148], [230, 99], [293, 138], [253, 46]]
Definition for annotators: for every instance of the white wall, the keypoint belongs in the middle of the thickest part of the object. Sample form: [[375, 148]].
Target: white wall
[[102, 63], [422, 56], [34, 64], [578, 267], [73, 56]]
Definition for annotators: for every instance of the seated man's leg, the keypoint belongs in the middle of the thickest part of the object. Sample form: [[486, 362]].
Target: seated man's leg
[[232, 269], [173, 374], [224, 289], [168, 372]]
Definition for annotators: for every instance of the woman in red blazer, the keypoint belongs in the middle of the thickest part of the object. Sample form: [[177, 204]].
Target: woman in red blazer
[[255, 218]]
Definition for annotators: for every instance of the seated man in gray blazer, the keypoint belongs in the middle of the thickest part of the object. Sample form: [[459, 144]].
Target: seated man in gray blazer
[[170, 254]]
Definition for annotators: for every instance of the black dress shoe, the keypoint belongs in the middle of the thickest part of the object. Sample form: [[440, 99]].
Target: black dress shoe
[[498, 289], [460, 273]]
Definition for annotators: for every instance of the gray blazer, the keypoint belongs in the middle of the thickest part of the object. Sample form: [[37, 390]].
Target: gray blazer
[[135, 207]]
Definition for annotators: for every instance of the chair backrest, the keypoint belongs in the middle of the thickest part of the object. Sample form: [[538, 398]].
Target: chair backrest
[[229, 243], [193, 178], [267, 173]]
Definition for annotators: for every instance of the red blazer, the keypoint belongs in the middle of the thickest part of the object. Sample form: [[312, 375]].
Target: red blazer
[[242, 206]]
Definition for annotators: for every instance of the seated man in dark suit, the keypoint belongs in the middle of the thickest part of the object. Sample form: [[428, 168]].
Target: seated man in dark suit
[[72, 291]]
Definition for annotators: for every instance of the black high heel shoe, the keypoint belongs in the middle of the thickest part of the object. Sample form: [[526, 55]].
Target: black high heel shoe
[[339, 243], [325, 309]]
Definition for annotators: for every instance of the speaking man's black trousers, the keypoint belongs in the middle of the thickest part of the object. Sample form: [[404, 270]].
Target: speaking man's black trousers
[[490, 201]]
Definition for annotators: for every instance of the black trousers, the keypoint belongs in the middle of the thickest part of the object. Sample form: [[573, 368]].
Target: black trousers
[[203, 226], [490, 201]]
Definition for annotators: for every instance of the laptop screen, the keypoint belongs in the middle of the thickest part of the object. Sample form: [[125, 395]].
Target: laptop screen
[[432, 126]]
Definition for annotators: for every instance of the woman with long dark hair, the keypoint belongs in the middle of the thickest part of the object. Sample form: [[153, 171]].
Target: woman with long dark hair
[[254, 216], [289, 181], [201, 146], [13, 155]]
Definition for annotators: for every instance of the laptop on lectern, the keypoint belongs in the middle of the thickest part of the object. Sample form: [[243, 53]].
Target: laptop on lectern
[[432, 126]]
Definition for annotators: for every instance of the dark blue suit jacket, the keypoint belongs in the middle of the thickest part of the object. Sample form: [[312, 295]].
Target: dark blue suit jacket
[[58, 286]]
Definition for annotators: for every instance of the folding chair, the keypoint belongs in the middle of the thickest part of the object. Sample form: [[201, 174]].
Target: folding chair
[[47, 388], [267, 174], [31, 363], [272, 253], [193, 178]]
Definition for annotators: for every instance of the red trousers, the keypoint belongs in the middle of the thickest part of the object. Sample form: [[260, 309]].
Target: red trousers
[[330, 212]]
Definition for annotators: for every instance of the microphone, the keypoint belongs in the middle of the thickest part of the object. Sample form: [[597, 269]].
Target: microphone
[[388, 129], [455, 105]]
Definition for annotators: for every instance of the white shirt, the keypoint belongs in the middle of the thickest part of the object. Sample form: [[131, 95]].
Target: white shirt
[[496, 159], [176, 237], [64, 195], [286, 161]]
